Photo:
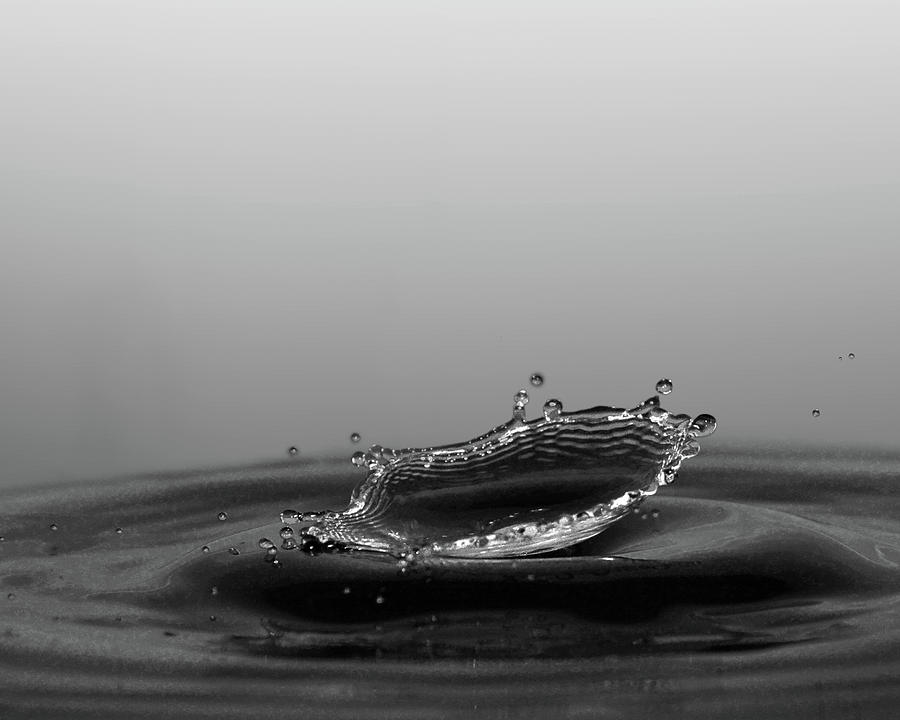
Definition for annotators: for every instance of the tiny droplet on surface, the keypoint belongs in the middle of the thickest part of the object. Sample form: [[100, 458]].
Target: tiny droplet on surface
[[703, 425], [552, 409]]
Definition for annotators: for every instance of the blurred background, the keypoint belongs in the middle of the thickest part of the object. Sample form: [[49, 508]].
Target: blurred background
[[232, 227]]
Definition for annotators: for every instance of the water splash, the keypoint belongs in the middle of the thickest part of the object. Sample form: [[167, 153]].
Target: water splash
[[524, 487]]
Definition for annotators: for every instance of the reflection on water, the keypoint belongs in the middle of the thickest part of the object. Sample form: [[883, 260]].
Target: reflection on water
[[767, 586]]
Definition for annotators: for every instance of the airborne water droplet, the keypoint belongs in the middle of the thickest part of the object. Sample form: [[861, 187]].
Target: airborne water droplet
[[358, 458], [292, 450], [205, 549], [223, 516], [54, 527], [664, 386], [119, 531], [816, 412], [851, 355], [354, 437], [537, 379]]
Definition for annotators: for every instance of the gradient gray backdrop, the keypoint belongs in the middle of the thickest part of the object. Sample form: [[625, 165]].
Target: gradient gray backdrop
[[229, 227]]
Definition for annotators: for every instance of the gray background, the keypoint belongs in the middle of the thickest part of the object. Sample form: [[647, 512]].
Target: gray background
[[229, 227]]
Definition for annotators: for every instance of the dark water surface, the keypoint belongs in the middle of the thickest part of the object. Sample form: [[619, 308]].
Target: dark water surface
[[760, 585]]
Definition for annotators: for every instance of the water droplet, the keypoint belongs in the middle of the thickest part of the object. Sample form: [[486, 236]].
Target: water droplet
[[379, 599], [234, 551], [703, 425], [54, 527], [851, 355], [265, 543], [552, 409], [205, 549], [358, 458], [537, 379], [664, 386], [286, 532], [840, 357], [521, 397], [290, 516], [119, 531], [292, 450], [289, 544], [2, 539], [816, 412], [347, 590], [354, 437], [214, 590], [11, 596], [223, 516], [212, 618], [655, 514]]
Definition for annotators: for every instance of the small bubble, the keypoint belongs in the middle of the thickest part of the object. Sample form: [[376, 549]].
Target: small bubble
[[816, 412], [223, 516], [286, 532], [537, 379], [234, 551], [119, 531], [552, 409], [358, 458], [54, 527], [851, 355], [292, 450], [354, 437], [664, 386], [290, 516], [205, 549]]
